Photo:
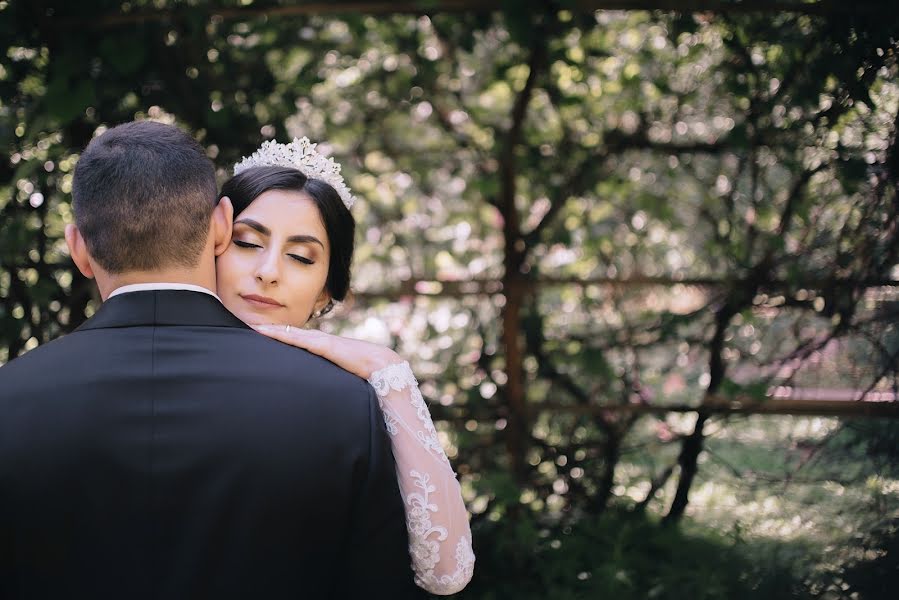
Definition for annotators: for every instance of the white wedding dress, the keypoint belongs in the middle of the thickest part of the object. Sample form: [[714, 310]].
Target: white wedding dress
[[439, 534]]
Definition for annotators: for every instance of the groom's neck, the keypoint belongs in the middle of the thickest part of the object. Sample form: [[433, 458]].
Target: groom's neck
[[201, 277]]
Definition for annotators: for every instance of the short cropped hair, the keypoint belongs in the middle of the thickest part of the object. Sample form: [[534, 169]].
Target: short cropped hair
[[339, 223], [143, 195]]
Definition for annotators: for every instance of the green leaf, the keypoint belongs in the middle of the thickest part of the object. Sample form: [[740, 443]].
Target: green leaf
[[757, 391], [126, 54], [66, 101]]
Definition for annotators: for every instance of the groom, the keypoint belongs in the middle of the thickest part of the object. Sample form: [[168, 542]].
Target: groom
[[164, 450]]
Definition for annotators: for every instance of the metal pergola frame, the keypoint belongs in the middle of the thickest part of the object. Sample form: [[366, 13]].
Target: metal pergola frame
[[813, 7]]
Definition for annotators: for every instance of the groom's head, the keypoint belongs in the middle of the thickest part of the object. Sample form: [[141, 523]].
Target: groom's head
[[144, 197], [143, 193]]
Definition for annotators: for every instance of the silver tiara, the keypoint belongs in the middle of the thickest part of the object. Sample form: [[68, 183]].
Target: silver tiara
[[300, 154]]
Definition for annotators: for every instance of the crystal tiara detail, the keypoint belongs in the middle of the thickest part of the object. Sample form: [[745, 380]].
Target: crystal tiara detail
[[300, 154]]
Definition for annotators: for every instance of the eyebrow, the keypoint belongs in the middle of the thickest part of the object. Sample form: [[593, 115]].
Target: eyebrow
[[301, 239]]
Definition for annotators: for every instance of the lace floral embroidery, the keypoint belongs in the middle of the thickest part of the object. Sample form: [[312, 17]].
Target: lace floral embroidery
[[398, 377], [426, 552], [455, 582], [390, 420], [422, 493]]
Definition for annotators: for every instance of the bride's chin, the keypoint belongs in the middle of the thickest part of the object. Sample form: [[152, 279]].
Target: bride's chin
[[251, 318]]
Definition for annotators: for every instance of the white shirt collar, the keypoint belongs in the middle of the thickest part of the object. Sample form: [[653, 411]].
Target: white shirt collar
[[144, 287]]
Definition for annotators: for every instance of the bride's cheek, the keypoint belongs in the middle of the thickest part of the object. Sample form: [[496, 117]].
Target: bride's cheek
[[226, 270]]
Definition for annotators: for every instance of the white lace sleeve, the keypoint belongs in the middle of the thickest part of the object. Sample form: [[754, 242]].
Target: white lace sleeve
[[439, 534]]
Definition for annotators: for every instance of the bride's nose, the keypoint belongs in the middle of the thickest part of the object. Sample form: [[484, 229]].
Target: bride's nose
[[268, 268]]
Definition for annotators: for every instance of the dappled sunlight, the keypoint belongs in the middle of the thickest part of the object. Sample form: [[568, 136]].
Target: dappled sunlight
[[602, 240]]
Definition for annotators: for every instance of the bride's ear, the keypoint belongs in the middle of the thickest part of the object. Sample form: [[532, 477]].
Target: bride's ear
[[78, 251], [322, 301], [222, 224]]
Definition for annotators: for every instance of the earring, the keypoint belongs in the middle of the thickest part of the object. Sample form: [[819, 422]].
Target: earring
[[323, 310]]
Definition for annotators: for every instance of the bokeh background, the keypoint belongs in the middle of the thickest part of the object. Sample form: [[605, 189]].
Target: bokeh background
[[643, 262]]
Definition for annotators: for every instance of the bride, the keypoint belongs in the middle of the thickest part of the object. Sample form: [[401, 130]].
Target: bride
[[288, 263]]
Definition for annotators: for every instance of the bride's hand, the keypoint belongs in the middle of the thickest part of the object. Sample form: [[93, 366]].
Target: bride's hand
[[357, 357]]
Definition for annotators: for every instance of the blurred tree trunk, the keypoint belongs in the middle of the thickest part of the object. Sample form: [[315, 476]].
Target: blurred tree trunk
[[611, 455], [514, 281]]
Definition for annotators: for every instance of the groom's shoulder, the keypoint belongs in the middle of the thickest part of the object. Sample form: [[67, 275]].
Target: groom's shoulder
[[50, 364], [305, 380], [296, 366], [46, 354]]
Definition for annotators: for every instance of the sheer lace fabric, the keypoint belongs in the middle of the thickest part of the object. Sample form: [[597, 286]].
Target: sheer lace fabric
[[439, 534]]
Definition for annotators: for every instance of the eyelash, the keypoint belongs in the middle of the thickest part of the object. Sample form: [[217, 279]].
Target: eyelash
[[301, 259]]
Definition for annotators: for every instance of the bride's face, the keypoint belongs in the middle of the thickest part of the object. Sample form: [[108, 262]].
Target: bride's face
[[276, 267]]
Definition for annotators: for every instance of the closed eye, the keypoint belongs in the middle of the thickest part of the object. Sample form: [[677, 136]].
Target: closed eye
[[296, 257]]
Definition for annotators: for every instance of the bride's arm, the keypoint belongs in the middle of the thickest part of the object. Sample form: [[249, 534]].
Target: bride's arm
[[439, 534]]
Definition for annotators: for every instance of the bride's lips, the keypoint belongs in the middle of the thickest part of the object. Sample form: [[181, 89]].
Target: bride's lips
[[261, 301]]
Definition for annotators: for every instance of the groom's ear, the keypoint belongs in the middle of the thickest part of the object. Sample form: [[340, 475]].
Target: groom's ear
[[78, 251], [222, 224]]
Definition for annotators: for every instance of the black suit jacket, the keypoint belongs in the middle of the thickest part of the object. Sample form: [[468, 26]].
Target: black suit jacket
[[164, 450]]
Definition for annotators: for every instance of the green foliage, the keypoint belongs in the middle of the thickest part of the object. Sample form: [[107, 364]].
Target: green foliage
[[621, 556], [755, 391], [758, 150], [874, 577]]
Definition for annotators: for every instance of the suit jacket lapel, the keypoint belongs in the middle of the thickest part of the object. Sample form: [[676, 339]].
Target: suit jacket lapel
[[162, 307]]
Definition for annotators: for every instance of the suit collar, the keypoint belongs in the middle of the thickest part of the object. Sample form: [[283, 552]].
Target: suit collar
[[162, 307], [160, 285]]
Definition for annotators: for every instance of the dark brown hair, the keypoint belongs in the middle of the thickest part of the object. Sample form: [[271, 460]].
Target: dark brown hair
[[143, 194]]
